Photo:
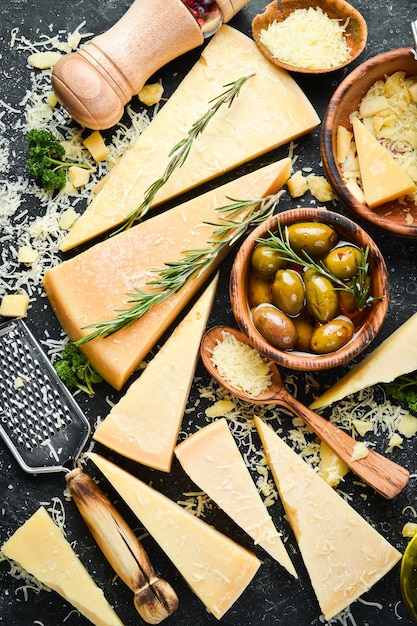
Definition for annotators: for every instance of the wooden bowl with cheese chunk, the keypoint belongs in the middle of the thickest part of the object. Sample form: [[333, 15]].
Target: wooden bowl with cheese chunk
[[309, 288], [369, 141], [287, 34]]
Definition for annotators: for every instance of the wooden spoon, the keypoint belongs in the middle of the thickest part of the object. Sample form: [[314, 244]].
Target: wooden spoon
[[383, 475]]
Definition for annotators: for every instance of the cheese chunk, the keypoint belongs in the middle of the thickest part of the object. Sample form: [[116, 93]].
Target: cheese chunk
[[14, 305], [382, 178], [270, 111], [96, 146], [344, 555], [395, 356], [144, 425], [40, 548], [93, 285], [216, 568], [213, 461]]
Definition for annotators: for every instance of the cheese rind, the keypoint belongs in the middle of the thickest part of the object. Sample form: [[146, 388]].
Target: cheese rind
[[94, 285], [344, 555], [216, 568], [212, 459], [40, 548], [395, 356], [382, 178], [144, 424], [281, 112]]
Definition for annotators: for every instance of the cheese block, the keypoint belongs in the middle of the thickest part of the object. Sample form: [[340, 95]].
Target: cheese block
[[213, 461], [344, 555], [216, 568], [145, 423], [270, 110], [395, 356], [94, 285], [382, 178], [40, 548]]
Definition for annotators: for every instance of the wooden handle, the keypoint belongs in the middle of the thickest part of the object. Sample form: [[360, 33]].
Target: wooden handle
[[94, 84], [382, 474], [154, 598]]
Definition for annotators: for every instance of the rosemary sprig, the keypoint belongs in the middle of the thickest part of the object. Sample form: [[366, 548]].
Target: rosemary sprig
[[239, 216], [181, 150], [359, 287]]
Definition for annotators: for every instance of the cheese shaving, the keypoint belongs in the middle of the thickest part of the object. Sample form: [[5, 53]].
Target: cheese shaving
[[242, 366], [307, 38]]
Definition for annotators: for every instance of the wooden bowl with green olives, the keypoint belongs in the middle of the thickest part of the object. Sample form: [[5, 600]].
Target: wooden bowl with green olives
[[309, 288]]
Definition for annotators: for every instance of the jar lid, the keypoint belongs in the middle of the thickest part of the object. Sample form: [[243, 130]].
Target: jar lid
[[229, 8]]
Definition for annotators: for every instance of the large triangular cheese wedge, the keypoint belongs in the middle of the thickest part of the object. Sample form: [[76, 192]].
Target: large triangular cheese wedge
[[395, 356], [145, 423], [270, 111], [382, 178], [216, 568], [344, 555], [212, 459], [95, 284], [40, 548]]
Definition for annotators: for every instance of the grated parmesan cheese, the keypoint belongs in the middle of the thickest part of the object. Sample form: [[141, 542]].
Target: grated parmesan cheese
[[307, 38], [242, 366]]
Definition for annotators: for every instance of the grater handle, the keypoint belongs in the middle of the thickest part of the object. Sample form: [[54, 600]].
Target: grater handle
[[154, 597]]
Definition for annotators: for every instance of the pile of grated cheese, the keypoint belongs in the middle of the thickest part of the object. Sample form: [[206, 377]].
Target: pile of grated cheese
[[307, 38]]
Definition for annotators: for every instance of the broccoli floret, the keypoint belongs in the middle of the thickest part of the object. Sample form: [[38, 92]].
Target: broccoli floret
[[75, 370], [45, 161]]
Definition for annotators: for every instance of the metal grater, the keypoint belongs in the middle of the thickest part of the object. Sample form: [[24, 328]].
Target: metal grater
[[40, 422]]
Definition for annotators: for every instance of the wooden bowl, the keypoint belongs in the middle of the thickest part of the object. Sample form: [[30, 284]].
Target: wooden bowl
[[372, 321], [398, 218], [356, 32]]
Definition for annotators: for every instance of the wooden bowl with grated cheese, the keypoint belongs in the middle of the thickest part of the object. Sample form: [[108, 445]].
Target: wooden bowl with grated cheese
[[369, 141], [310, 37], [246, 302]]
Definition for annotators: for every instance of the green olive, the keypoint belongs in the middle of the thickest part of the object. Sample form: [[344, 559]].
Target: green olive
[[266, 261], [321, 296], [332, 336], [344, 261], [304, 328], [288, 291], [258, 289], [276, 327], [315, 238]]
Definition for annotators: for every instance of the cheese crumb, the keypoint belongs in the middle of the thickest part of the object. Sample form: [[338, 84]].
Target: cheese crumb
[[242, 366], [360, 451], [151, 94]]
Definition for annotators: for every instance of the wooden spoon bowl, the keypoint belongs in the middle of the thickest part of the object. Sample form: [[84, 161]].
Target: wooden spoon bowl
[[356, 33], [383, 475]]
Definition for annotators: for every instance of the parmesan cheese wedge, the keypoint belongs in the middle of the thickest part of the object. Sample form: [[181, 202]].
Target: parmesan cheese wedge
[[395, 356], [216, 568], [344, 555], [40, 548], [212, 459], [270, 111], [144, 425], [93, 285], [382, 178]]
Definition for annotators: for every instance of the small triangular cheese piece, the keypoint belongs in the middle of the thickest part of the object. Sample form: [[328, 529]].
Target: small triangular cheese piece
[[40, 548], [382, 178], [270, 111], [145, 423], [395, 356], [216, 568], [344, 555], [95, 285], [212, 460]]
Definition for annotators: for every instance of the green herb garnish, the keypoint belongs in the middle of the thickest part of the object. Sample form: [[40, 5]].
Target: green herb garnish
[[175, 274], [359, 287], [45, 161], [181, 150], [404, 388], [75, 370]]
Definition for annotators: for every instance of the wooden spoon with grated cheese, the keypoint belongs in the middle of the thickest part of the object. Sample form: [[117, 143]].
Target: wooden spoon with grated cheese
[[382, 474]]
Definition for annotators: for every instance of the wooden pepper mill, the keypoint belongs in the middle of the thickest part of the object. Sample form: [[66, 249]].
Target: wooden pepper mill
[[95, 83]]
